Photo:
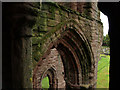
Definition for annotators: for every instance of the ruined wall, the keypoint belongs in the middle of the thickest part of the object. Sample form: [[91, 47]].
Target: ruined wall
[[74, 30], [18, 19], [54, 20], [53, 17], [53, 60]]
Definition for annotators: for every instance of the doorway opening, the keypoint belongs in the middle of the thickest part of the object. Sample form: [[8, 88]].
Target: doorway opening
[[104, 62], [45, 82]]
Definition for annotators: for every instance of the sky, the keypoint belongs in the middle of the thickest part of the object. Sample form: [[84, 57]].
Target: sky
[[105, 22]]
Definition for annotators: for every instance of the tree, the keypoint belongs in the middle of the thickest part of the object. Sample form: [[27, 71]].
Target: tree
[[106, 41]]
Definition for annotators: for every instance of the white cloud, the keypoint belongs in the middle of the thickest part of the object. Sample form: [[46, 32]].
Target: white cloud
[[105, 22]]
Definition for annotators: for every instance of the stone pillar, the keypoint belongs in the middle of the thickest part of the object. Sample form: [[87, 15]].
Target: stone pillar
[[21, 49], [97, 38], [18, 21]]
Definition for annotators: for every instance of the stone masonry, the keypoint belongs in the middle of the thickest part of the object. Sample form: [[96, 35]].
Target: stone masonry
[[58, 40], [51, 62]]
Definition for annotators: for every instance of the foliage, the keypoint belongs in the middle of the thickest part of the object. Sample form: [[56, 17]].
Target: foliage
[[106, 40], [103, 72], [105, 50], [45, 83]]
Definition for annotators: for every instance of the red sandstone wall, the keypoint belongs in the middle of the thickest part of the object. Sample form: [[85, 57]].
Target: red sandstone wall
[[52, 60]]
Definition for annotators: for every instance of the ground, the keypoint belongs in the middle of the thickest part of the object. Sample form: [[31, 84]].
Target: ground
[[45, 83], [103, 72]]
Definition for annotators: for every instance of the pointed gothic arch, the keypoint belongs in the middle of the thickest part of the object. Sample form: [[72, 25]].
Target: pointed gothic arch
[[76, 56]]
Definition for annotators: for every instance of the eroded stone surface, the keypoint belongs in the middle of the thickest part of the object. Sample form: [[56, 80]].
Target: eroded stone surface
[[61, 40]]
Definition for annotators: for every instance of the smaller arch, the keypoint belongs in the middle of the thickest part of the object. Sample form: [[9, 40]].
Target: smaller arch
[[52, 75], [49, 67]]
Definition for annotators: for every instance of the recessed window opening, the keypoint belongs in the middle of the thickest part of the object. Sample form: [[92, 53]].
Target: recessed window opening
[[103, 63]]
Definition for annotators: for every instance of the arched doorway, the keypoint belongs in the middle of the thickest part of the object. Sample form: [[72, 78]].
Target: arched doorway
[[52, 67], [45, 82], [50, 79], [74, 56]]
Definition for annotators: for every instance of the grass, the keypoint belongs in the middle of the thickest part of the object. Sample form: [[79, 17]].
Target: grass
[[45, 83], [103, 72]]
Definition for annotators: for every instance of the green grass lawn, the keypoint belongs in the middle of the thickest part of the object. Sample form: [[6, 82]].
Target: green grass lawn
[[103, 72], [45, 83]]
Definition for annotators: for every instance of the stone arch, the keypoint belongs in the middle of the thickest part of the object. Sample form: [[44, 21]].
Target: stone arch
[[76, 55], [34, 40], [49, 67], [51, 73]]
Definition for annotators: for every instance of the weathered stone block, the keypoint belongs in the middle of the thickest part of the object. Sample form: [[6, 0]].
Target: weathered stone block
[[45, 6], [36, 40], [42, 21], [51, 16], [52, 23], [57, 17]]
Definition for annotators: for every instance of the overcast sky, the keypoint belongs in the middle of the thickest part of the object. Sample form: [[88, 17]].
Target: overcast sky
[[104, 20]]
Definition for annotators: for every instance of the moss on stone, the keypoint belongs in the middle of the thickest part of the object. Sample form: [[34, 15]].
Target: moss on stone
[[48, 35], [34, 63], [42, 28], [36, 5], [57, 17], [51, 16], [42, 21], [45, 6], [47, 18], [52, 23], [61, 8], [36, 52], [43, 14], [52, 9], [57, 12]]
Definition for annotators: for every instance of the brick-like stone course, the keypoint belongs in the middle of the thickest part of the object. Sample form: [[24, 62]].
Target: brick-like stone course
[[53, 60], [83, 17]]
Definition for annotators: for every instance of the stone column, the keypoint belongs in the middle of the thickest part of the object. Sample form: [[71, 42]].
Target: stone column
[[18, 22], [21, 47]]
